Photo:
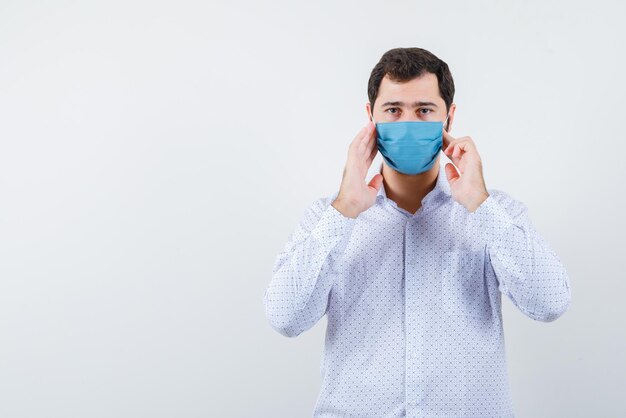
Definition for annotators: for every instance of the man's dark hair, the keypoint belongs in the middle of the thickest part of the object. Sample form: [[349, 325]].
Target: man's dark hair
[[405, 64]]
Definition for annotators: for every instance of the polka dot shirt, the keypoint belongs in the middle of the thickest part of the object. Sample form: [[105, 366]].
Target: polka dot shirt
[[413, 301]]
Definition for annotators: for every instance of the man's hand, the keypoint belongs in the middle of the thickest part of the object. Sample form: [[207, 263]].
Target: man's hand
[[354, 195], [467, 184]]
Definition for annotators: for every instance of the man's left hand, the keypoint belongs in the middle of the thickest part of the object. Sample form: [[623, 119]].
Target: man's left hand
[[467, 183]]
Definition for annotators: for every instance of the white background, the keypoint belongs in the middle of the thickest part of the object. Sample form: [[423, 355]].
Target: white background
[[155, 156]]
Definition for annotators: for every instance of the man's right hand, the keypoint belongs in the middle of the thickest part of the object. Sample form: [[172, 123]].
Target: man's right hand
[[354, 195]]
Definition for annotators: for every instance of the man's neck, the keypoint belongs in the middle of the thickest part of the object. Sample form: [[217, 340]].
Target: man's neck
[[409, 190]]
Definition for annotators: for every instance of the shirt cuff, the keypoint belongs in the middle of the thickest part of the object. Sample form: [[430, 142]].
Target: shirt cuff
[[334, 229], [491, 221]]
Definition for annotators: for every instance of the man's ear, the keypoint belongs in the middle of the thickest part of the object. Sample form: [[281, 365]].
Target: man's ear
[[450, 117], [368, 109]]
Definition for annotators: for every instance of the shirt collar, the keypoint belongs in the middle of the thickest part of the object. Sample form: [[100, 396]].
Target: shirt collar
[[441, 189]]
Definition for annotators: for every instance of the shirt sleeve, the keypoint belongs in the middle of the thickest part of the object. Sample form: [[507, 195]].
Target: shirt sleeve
[[305, 270], [527, 269]]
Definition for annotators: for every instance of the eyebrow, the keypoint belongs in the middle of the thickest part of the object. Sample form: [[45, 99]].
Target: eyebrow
[[415, 104]]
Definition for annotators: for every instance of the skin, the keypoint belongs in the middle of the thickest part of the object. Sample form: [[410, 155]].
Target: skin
[[414, 100]]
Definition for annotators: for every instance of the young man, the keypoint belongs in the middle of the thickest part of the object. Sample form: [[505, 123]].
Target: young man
[[410, 267]]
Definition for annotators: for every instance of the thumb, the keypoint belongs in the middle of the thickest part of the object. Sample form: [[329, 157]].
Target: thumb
[[451, 173], [376, 182]]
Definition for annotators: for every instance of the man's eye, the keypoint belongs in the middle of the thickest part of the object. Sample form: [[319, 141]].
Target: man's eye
[[425, 111], [392, 110]]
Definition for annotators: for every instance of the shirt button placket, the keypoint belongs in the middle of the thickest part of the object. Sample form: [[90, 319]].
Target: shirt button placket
[[411, 271]]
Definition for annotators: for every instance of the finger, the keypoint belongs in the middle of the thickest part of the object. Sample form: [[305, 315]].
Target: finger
[[451, 144], [463, 150], [371, 157], [359, 144], [448, 148], [451, 173], [371, 143], [454, 152], [370, 130], [465, 147], [376, 182], [458, 141], [364, 145], [458, 151], [359, 136], [461, 139], [447, 138]]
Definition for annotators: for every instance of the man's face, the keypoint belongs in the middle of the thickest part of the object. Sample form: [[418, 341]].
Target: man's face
[[414, 100]]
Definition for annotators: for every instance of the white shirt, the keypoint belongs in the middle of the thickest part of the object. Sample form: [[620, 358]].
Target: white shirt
[[414, 301]]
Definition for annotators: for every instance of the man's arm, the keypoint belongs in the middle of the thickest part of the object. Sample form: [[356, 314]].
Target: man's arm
[[304, 272], [527, 269]]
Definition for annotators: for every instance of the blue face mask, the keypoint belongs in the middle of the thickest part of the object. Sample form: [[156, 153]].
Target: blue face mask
[[410, 147]]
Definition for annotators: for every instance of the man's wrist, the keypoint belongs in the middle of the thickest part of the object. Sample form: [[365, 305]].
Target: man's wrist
[[491, 221], [346, 208], [475, 203]]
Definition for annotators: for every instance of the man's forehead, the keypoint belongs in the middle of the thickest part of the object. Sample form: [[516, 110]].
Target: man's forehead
[[422, 88]]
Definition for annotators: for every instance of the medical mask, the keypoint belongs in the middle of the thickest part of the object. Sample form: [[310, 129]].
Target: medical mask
[[410, 147]]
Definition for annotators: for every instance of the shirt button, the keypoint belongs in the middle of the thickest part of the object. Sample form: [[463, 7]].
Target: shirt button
[[412, 354]]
